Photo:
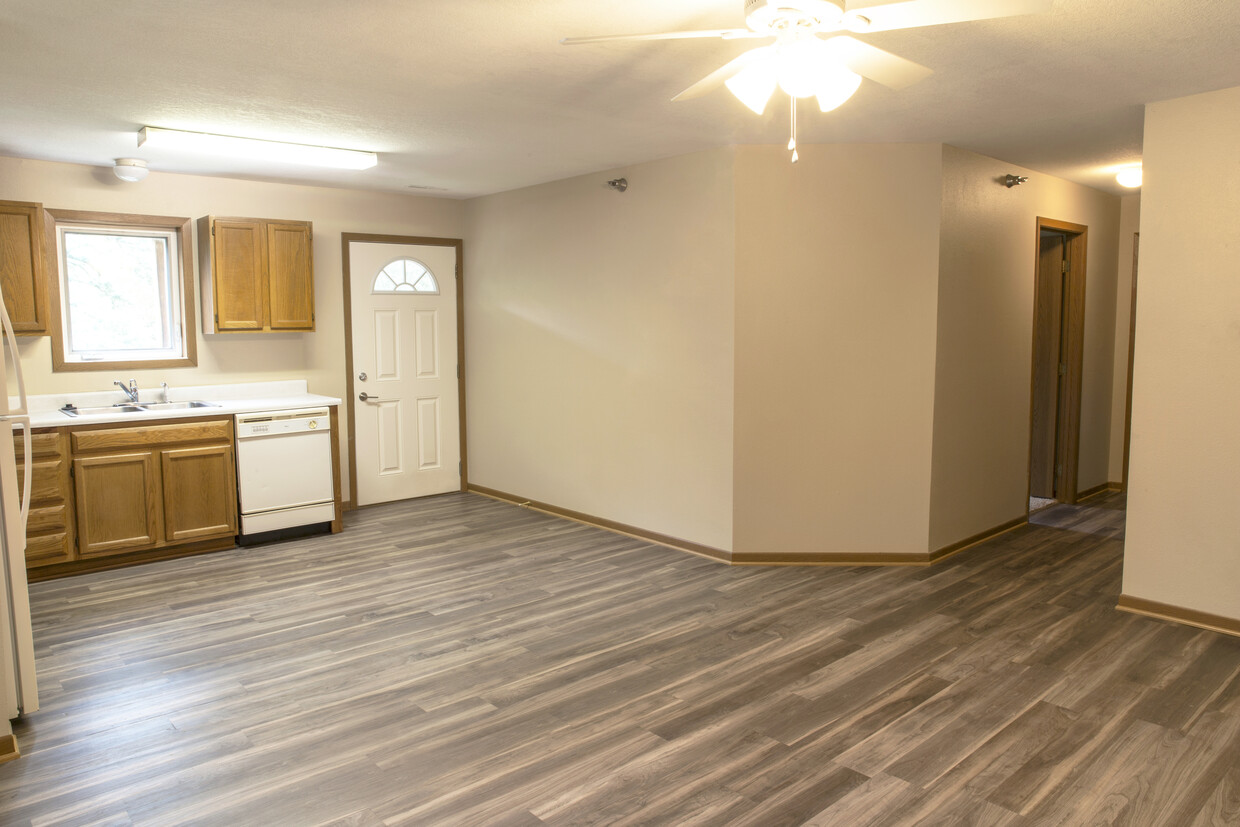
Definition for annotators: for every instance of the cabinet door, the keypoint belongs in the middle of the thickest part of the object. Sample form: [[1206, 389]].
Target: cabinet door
[[118, 507], [238, 271], [290, 274], [200, 493], [23, 273]]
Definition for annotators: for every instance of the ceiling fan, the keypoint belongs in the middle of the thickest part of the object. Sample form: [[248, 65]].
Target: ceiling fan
[[812, 57]]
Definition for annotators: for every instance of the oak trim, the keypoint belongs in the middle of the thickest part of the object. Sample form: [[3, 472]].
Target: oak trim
[[346, 274], [610, 525], [976, 539], [1101, 488], [1179, 614], [189, 330]]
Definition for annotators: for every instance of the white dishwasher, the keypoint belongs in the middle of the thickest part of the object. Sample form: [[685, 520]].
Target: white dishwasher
[[284, 470]]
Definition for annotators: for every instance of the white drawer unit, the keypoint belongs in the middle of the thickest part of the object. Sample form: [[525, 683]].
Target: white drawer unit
[[284, 469]]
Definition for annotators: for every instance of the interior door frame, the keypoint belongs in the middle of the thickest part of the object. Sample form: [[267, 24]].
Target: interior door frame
[[1132, 349], [1068, 432], [424, 241]]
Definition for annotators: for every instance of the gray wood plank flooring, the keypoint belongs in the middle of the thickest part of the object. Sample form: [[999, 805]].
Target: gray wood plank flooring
[[456, 660]]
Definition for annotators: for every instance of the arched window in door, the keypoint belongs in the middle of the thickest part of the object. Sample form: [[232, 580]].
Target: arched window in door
[[405, 275]]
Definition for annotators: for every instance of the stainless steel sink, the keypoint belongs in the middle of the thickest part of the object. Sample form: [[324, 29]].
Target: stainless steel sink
[[101, 410], [111, 410], [177, 406]]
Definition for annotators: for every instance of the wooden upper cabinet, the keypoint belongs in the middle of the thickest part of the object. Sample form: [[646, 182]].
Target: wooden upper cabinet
[[23, 266], [257, 274], [291, 276]]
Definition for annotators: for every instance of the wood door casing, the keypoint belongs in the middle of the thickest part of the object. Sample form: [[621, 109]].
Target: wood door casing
[[1047, 335], [1072, 353], [199, 492], [117, 502]]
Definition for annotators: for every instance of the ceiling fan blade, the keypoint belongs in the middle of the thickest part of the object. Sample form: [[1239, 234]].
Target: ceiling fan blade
[[721, 75], [725, 33], [883, 67], [910, 13]]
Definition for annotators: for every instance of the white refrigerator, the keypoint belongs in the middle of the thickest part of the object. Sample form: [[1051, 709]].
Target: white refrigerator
[[18, 693]]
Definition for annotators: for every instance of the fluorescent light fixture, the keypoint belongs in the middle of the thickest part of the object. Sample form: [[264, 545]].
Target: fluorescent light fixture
[[254, 149], [1130, 177]]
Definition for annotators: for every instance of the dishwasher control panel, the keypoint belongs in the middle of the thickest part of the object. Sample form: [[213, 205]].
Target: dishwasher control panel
[[274, 423]]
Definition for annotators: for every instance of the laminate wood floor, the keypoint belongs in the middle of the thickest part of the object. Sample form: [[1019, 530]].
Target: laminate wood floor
[[457, 660]]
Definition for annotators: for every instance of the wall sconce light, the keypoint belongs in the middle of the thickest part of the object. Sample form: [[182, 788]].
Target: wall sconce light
[[1010, 180], [132, 170], [619, 184]]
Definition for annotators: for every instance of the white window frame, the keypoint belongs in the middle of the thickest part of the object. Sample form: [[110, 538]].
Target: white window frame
[[176, 288]]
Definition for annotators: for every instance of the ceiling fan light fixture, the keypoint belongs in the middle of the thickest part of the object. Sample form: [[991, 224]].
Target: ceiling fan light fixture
[[836, 87], [754, 85]]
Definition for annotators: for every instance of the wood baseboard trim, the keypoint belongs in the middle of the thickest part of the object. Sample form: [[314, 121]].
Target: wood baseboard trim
[[610, 525], [830, 558], [132, 558], [1179, 614], [8, 748], [976, 539], [1104, 488]]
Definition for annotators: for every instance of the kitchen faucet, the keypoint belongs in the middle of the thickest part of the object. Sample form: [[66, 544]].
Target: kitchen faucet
[[131, 391]]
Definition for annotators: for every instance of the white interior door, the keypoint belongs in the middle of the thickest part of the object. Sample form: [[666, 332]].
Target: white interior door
[[407, 426]]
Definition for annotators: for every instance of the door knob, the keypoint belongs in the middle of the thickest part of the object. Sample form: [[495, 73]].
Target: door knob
[[365, 397], [361, 377]]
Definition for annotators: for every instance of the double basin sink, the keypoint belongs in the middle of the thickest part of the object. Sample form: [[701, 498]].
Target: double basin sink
[[125, 407]]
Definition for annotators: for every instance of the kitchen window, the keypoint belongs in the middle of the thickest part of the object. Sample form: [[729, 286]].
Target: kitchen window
[[123, 292]]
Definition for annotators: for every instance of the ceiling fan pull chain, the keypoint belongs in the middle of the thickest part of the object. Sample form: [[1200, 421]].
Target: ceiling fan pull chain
[[792, 141]]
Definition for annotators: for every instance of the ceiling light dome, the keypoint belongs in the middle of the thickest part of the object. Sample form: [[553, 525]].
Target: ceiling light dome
[[132, 170], [1130, 177]]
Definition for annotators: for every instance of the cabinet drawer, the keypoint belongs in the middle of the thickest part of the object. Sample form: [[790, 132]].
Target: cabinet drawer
[[45, 481], [41, 445], [218, 430], [47, 549], [43, 520]]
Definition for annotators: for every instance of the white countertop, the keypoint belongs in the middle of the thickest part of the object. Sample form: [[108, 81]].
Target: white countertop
[[229, 399]]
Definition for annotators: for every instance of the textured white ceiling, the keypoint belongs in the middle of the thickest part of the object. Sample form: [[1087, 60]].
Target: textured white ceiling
[[477, 96]]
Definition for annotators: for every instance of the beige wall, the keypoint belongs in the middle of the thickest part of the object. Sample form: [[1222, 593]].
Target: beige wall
[[985, 333], [1182, 542], [835, 293], [1129, 223], [600, 341], [234, 357]]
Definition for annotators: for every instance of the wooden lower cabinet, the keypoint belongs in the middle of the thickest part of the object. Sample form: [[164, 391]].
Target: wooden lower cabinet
[[116, 503], [150, 487], [198, 503]]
